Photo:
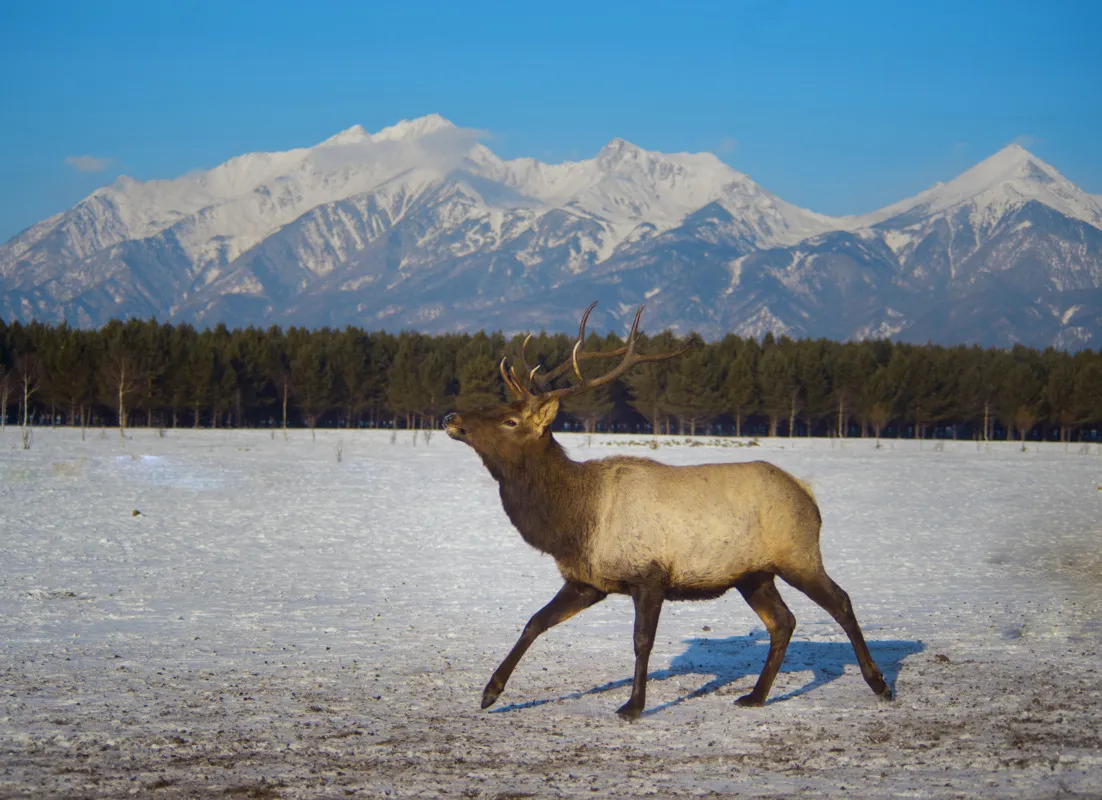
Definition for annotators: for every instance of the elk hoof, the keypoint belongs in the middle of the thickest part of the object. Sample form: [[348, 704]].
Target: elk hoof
[[629, 712], [749, 701], [881, 688], [490, 694]]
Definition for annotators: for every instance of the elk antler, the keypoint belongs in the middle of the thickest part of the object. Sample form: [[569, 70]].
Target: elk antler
[[513, 383], [541, 383]]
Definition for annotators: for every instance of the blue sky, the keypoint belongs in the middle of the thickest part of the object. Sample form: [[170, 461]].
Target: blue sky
[[838, 107]]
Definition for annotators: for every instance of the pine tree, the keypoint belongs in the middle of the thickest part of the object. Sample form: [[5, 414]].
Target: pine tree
[[779, 387], [1059, 392], [590, 407], [311, 378], [405, 392], [647, 385], [814, 382], [1087, 395], [479, 384], [740, 390], [693, 393]]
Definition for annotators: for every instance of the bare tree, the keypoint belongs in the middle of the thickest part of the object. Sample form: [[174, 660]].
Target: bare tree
[[5, 387], [123, 379], [879, 416], [28, 371], [1024, 419], [285, 390]]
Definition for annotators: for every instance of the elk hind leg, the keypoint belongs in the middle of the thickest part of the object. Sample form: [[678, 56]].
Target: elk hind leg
[[826, 593], [648, 605], [572, 598], [761, 594]]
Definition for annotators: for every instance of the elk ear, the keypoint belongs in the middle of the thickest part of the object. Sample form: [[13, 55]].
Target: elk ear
[[544, 413]]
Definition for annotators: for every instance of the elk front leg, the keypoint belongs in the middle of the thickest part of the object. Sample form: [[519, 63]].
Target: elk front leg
[[648, 605], [572, 598]]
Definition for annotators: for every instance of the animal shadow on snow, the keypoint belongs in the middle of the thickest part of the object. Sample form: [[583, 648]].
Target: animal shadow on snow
[[737, 657]]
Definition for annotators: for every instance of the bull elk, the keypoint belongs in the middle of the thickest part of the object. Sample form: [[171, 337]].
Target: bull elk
[[656, 532]]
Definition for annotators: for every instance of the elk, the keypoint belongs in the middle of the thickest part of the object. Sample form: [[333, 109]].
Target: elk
[[634, 526]]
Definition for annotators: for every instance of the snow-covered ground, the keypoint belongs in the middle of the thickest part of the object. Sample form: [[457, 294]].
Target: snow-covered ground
[[273, 622]]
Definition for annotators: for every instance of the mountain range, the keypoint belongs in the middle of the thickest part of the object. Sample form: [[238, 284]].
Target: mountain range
[[422, 226]]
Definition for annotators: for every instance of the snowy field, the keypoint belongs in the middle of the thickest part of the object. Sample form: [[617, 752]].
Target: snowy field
[[275, 623]]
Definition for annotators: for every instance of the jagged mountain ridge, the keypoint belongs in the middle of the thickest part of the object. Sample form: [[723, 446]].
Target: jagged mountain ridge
[[422, 226]]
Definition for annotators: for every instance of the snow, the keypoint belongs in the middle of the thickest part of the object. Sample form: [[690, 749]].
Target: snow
[[899, 240], [626, 185], [1065, 318], [278, 623], [220, 213], [1005, 180]]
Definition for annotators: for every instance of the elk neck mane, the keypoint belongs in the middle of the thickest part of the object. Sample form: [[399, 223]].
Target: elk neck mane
[[550, 498]]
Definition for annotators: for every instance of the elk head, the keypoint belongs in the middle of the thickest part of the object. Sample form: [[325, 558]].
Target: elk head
[[507, 432]]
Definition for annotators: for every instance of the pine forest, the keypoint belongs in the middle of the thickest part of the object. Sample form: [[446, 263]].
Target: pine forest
[[140, 373]]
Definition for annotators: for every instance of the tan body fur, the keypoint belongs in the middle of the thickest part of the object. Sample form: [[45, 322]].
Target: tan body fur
[[696, 529]]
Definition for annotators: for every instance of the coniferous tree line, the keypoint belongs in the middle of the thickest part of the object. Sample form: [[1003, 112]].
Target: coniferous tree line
[[140, 373]]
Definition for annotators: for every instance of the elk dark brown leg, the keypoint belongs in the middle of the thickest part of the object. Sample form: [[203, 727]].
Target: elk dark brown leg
[[761, 593], [648, 605], [572, 598], [833, 598]]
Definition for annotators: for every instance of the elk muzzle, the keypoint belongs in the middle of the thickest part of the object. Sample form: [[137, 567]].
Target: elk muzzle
[[453, 426]]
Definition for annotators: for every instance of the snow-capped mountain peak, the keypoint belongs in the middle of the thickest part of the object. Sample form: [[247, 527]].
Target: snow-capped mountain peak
[[618, 150], [1009, 178], [354, 135], [412, 128]]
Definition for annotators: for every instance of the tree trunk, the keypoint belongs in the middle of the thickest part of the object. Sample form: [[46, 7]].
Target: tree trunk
[[26, 401], [285, 390], [27, 392], [738, 424]]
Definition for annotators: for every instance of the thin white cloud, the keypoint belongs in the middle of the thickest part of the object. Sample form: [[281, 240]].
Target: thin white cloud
[[726, 145], [444, 149], [1025, 140], [88, 163]]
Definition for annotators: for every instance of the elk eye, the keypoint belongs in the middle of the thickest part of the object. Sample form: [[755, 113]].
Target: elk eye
[[510, 423]]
